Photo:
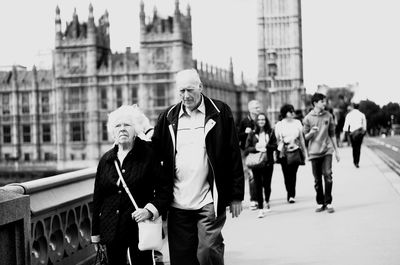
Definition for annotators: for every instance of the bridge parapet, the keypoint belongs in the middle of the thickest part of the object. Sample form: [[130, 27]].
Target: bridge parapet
[[59, 215]]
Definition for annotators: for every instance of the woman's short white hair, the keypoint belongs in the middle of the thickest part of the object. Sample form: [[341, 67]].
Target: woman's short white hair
[[134, 115]]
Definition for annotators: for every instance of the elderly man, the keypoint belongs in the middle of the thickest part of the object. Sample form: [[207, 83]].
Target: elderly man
[[199, 149], [246, 126]]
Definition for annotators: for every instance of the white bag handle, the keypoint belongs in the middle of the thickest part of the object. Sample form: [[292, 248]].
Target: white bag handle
[[124, 185]]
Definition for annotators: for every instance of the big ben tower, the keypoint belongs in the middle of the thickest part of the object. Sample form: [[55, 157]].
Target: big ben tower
[[280, 55]]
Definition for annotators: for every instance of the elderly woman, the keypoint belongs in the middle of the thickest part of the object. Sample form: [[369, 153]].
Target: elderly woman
[[114, 217]]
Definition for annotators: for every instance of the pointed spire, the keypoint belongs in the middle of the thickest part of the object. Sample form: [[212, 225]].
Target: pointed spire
[[231, 76], [106, 16], [141, 7], [106, 22], [154, 12], [177, 7], [188, 13], [90, 10], [142, 14], [75, 25], [58, 21]]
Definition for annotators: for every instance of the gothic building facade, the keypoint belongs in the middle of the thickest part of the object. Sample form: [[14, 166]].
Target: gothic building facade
[[280, 55], [57, 118]]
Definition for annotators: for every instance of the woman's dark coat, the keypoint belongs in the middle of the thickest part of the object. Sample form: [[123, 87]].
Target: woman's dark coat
[[112, 207]]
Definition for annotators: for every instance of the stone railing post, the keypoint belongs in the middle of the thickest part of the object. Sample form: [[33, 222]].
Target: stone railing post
[[15, 222]]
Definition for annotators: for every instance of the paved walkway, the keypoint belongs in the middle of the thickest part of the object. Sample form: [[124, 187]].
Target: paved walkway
[[365, 229]]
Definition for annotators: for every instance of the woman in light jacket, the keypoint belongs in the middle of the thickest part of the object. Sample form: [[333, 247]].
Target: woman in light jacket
[[289, 133]]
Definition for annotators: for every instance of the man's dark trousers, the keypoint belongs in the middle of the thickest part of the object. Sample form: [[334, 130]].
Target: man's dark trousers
[[194, 236], [322, 168], [356, 141]]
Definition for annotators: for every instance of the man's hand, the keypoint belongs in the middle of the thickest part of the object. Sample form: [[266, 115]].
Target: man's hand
[[337, 156], [247, 130], [235, 208], [314, 130]]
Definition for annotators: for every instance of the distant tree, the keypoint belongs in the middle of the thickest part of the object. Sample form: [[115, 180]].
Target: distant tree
[[338, 96], [391, 109], [374, 116]]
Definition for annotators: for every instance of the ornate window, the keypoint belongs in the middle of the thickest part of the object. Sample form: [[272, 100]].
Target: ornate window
[[76, 99], [6, 134], [25, 102], [77, 131], [160, 95], [45, 101], [103, 97], [104, 132], [26, 133], [6, 103], [47, 156], [119, 96], [134, 94], [46, 133]]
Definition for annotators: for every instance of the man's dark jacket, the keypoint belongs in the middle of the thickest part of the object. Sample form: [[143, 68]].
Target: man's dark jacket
[[246, 122], [112, 207], [222, 148]]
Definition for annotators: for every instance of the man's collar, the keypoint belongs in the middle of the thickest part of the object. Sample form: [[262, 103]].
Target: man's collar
[[201, 108]]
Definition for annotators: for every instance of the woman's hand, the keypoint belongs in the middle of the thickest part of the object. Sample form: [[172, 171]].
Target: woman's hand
[[260, 147], [141, 215]]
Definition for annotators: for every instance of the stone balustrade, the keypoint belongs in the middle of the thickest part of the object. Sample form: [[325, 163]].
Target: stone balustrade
[[58, 224]]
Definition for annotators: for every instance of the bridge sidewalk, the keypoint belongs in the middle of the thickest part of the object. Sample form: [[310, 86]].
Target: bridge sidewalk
[[365, 228]]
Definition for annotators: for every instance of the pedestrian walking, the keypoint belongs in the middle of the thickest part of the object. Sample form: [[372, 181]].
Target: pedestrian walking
[[198, 146], [289, 134], [262, 140], [114, 217], [246, 126], [356, 126], [319, 130]]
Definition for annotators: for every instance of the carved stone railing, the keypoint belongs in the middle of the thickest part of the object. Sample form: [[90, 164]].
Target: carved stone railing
[[60, 218]]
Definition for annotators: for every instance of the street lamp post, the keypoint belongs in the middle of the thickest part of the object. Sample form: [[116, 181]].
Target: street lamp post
[[391, 125], [272, 72], [272, 66]]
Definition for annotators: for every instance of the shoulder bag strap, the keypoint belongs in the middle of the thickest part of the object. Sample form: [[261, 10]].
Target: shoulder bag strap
[[124, 185]]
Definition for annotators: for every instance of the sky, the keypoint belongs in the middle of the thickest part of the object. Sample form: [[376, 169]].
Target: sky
[[344, 41]]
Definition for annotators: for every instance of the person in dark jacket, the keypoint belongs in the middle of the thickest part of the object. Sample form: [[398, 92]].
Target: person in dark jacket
[[262, 140], [246, 126], [114, 216], [198, 145]]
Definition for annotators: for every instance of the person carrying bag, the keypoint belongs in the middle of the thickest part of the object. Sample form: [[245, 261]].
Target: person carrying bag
[[131, 164], [150, 231], [260, 146], [291, 147]]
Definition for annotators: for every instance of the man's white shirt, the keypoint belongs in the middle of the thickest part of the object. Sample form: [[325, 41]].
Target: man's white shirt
[[356, 120], [191, 188]]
